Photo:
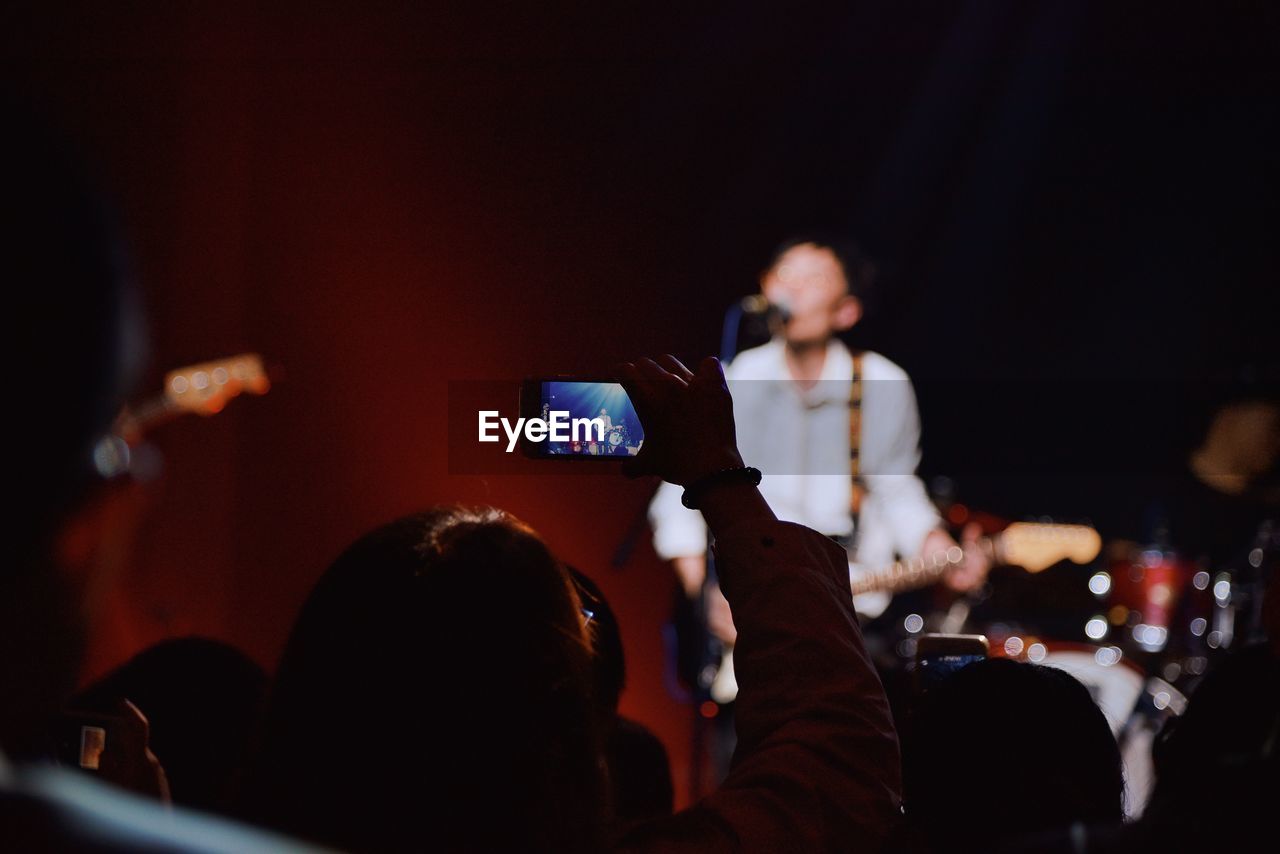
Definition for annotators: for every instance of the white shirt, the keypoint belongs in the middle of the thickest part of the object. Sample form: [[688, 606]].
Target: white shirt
[[799, 439]]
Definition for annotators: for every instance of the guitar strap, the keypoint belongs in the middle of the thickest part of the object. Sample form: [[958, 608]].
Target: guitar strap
[[855, 438]]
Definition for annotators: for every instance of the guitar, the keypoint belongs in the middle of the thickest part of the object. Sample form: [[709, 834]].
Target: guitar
[[1030, 545], [202, 389], [98, 543]]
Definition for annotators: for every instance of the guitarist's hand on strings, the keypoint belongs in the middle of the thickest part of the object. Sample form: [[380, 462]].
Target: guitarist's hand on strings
[[972, 570]]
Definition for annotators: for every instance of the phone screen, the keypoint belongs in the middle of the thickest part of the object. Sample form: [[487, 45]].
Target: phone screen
[[88, 739], [590, 419], [939, 656]]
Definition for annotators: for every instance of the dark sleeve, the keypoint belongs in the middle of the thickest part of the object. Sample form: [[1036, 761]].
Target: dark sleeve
[[817, 765]]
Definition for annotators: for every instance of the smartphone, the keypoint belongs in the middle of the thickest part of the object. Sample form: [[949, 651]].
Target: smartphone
[[938, 656], [93, 741], [577, 417]]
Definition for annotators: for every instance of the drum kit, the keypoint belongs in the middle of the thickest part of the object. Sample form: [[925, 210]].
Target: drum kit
[[1158, 621], [614, 442]]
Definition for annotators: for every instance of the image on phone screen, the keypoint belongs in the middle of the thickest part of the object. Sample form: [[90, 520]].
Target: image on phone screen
[[589, 419]]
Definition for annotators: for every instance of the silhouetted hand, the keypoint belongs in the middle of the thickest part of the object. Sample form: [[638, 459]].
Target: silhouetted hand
[[122, 753], [687, 418]]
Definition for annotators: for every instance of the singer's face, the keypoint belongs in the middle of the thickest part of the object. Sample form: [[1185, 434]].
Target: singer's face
[[810, 283]]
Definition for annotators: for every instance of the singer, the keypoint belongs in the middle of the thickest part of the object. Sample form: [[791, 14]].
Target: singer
[[836, 434]]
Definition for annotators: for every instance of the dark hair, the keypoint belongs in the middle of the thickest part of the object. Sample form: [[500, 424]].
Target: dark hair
[[1205, 398], [203, 700], [608, 664], [859, 270], [435, 692], [639, 770], [1004, 748]]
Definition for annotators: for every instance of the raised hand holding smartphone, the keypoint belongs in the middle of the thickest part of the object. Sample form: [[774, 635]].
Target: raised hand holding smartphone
[[687, 417]]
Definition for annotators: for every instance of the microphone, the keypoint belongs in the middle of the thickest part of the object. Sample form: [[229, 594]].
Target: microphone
[[756, 315], [758, 304]]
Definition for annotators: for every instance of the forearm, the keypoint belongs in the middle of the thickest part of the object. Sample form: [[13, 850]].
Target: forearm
[[732, 503], [724, 506], [817, 760]]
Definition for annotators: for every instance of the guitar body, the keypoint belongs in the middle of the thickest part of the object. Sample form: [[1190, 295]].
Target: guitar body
[[1032, 546]]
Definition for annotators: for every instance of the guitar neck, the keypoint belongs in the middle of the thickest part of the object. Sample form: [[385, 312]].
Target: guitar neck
[[920, 572], [202, 389], [137, 420]]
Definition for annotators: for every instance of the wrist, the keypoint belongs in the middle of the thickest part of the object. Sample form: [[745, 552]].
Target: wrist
[[696, 490], [729, 505]]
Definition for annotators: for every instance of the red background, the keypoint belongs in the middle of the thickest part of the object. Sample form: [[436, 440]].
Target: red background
[[379, 202]]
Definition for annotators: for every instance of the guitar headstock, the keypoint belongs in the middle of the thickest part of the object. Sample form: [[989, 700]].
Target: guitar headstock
[[207, 387], [1037, 546]]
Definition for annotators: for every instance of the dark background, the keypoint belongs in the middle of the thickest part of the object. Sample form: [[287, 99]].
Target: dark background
[[1075, 202]]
